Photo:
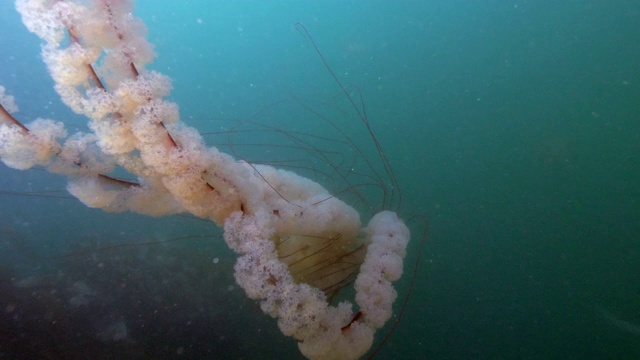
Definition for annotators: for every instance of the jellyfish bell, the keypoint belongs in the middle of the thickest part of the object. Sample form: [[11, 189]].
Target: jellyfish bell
[[297, 242]]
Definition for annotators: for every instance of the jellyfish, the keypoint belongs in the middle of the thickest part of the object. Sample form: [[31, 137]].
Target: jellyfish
[[297, 244]]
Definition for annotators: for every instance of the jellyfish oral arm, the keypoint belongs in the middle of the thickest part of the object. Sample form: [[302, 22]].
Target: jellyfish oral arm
[[297, 244]]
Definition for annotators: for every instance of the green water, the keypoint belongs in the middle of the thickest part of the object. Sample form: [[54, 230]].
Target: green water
[[512, 127]]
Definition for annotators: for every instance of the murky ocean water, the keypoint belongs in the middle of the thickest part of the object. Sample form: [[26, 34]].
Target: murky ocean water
[[512, 127]]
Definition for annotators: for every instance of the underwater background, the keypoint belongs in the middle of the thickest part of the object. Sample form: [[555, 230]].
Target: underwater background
[[513, 128]]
